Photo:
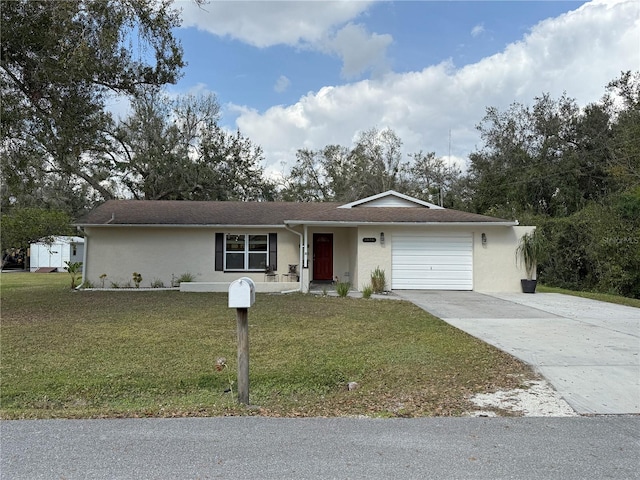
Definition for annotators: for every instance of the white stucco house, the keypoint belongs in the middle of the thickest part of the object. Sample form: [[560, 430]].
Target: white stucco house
[[285, 246]]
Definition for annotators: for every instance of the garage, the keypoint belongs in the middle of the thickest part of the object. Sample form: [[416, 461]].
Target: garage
[[432, 261]]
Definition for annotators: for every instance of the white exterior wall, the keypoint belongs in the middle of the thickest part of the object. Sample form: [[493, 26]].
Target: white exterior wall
[[353, 258], [389, 201], [157, 253], [373, 255], [494, 265], [341, 251], [343, 262]]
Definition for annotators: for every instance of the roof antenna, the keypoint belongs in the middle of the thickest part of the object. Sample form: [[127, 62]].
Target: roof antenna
[[448, 170]]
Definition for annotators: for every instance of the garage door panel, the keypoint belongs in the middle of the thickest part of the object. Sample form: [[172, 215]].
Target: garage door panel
[[433, 266], [435, 261]]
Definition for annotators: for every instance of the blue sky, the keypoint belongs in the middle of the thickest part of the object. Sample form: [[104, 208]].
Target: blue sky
[[297, 74]]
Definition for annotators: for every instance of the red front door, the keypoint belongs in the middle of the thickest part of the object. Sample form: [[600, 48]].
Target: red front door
[[323, 256]]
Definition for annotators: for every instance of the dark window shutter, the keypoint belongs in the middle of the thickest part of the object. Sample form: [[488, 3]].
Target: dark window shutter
[[273, 251], [219, 252]]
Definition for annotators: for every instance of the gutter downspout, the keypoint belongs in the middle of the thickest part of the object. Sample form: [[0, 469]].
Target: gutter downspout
[[84, 257], [306, 247], [299, 289]]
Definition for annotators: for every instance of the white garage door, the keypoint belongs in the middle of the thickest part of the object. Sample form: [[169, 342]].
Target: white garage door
[[432, 262]]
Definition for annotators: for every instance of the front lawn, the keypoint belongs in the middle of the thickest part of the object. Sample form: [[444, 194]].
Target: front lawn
[[127, 354]]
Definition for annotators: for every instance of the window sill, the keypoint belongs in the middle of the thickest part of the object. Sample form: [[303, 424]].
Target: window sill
[[246, 271]]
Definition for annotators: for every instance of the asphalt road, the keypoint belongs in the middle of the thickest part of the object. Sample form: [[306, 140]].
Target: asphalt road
[[346, 448]]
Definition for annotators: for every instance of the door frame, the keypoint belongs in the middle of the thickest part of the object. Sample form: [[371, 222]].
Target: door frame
[[329, 259]]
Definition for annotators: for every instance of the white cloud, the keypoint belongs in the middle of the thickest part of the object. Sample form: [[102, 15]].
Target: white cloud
[[268, 23], [282, 84], [477, 30], [578, 52], [359, 50], [315, 25]]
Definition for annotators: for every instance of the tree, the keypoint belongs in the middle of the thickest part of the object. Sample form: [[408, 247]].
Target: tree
[[337, 173], [623, 100], [231, 167], [320, 176], [377, 156], [546, 159], [173, 149], [24, 226], [574, 173], [60, 63], [432, 180]]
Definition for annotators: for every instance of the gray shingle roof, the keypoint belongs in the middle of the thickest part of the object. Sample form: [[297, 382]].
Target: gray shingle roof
[[167, 212]]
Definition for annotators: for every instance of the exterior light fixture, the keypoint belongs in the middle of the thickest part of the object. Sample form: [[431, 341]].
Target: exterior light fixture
[[381, 238], [484, 238]]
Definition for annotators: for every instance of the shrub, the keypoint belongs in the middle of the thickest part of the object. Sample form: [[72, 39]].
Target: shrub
[[530, 251], [367, 290], [157, 283], [137, 279], [343, 288], [595, 249], [378, 280], [74, 269], [115, 285], [186, 277]]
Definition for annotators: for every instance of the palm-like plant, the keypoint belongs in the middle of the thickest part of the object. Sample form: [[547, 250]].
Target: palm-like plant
[[530, 251]]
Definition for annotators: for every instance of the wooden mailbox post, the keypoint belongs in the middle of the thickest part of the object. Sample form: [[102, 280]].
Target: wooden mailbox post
[[242, 295]]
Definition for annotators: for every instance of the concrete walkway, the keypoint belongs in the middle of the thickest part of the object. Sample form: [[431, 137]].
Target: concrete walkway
[[588, 350]]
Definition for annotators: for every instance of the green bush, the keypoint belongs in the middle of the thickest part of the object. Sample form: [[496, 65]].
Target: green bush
[[185, 277], [367, 290], [378, 280], [342, 288], [596, 249], [75, 271]]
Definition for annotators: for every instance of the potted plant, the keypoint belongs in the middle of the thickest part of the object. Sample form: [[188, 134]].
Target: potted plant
[[530, 251]]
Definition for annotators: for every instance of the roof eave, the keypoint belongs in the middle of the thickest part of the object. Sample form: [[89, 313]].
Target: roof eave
[[292, 223], [176, 225], [329, 223]]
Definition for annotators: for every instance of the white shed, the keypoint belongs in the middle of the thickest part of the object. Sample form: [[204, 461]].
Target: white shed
[[62, 249]]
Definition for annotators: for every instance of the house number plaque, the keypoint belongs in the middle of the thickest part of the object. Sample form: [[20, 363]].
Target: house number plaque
[[369, 240]]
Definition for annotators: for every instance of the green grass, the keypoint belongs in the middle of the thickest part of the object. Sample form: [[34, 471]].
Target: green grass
[[603, 297], [68, 354]]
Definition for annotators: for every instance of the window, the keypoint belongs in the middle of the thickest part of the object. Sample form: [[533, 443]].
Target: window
[[246, 252]]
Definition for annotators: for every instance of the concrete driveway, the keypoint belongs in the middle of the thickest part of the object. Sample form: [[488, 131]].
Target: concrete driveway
[[588, 350]]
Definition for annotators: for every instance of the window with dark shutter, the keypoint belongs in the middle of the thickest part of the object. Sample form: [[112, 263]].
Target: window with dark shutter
[[246, 252], [273, 251], [219, 261]]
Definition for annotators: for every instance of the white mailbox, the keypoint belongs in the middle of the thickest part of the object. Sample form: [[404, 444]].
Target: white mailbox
[[242, 293]]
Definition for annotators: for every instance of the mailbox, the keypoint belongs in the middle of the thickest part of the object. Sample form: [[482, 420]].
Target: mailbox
[[242, 293]]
